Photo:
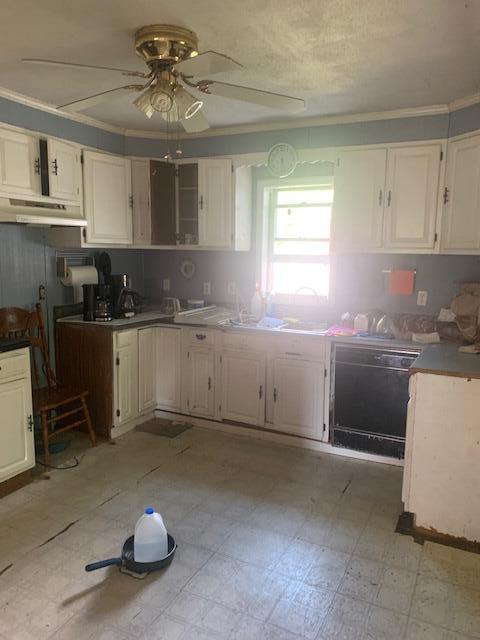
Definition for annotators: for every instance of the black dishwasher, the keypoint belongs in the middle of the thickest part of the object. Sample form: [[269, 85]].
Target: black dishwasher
[[371, 397]]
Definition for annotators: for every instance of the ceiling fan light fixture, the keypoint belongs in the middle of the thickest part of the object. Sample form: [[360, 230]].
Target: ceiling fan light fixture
[[161, 100], [193, 109], [143, 102], [187, 105]]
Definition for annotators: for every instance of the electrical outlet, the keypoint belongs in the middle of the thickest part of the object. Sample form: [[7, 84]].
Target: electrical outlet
[[422, 298], [207, 288], [166, 284], [231, 288]]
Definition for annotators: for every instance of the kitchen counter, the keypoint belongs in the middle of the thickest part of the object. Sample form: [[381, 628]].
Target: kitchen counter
[[139, 320], [444, 359], [10, 344]]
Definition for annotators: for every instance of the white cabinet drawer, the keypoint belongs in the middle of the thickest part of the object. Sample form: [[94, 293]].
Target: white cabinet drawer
[[243, 340], [14, 365], [299, 346], [201, 337]]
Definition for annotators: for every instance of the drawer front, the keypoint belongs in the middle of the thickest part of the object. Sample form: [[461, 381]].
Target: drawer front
[[201, 337], [300, 346], [14, 365], [233, 340]]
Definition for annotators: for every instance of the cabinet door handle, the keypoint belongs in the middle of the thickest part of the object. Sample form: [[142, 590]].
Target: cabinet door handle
[[30, 423], [275, 394], [292, 353], [209, 383], [201, 203], [380, 197], [200, 336], [445, 195], [260, 392], [55, 167], [36, 166], [389, 198]]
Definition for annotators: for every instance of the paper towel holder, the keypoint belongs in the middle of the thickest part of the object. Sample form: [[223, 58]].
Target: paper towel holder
[[72, 259]]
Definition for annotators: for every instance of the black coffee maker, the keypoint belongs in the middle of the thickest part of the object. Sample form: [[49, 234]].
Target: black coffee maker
[[125, 300]]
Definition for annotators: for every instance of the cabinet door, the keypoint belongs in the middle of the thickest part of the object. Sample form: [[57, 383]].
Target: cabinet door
[[19, 164], [215, 202], [200, 386], [298, 395], [411, 196], [146, 369], [168, 381], [462, 212], [126, 370], [243, 387], [63, 170], [358, 200], [17, 452], [162, 192], [142, 227], [106, 184]]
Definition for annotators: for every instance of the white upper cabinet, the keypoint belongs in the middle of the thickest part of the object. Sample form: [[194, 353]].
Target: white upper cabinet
[[243, 387], [142, 225], [215, 202], [461, 228], [411, 196], [64, 170], [107, 198], [358, 202], [19, 164]]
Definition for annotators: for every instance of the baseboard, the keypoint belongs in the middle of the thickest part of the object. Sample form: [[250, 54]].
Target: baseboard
[[281, 438], [17, 482]]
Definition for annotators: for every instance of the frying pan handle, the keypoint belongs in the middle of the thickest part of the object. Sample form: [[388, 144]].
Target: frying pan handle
[[103, 563]]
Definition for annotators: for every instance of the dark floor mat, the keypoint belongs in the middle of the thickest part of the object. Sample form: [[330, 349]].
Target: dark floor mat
[[162, 427]]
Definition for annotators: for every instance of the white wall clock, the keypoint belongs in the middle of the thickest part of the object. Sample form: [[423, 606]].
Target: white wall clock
[[282, 160], [187, 269]]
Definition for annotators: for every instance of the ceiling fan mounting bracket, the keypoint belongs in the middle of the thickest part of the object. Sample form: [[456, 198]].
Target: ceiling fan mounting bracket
[[166, 43]]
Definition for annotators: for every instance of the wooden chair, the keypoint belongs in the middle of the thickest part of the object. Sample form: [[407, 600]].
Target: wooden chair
[[55, 404]]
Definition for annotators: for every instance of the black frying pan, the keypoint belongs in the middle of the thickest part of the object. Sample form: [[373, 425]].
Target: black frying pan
[[127, 562]]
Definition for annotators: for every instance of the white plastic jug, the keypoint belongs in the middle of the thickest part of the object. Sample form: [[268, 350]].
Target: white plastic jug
[[150, 542]]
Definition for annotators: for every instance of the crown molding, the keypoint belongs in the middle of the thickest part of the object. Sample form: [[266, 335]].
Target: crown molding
[[461, 103], [50, 108]]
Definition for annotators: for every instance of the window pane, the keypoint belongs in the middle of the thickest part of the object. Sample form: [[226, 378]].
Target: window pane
[[305, 222], [288, 277], [305, 196], [301, 247]]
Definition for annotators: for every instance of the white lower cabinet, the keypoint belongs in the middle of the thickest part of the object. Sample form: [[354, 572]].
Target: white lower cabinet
[[200, 381], [243, 387], [125, 376], [298, 397], [146, 369], [17, 450], [168, 367]]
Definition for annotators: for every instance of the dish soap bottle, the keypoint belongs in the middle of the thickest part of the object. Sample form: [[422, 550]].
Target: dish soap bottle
[[150, 542], [256, 303]]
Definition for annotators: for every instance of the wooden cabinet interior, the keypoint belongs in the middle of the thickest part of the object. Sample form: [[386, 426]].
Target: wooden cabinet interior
[[162, 198], [188, 203]]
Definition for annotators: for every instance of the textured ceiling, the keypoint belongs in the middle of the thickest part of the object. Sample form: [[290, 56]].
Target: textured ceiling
[[342, 56]]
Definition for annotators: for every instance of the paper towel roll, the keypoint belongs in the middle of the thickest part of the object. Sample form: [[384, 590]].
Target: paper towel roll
[[76, 276]]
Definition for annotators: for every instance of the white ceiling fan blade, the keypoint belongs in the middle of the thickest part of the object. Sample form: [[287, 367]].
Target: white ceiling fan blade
[[97, 98], [75, 65], [256, 96], [207, 64], [196, 123]]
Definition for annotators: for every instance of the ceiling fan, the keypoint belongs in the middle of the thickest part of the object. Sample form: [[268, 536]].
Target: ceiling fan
[[174, 62]]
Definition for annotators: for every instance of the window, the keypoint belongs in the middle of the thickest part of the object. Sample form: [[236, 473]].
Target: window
[[299, 241]]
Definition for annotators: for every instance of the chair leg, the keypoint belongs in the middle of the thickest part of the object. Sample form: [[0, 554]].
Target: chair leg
[[86, 412], [46, 452]]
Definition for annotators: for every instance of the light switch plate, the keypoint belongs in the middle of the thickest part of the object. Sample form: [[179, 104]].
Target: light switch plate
[[207, 288], [166, 284], [231, 288], [422, 298]]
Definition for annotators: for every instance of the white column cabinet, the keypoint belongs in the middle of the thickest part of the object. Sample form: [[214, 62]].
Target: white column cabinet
[[64, 170], [142, 224], [411, 196], [146, 369], [125, 376], [359, 183], [17, 451], [107, 198], [19, 164], [243, 387], [200, 381], [298, 397], [461, 228], [168, 366], [215, 202]]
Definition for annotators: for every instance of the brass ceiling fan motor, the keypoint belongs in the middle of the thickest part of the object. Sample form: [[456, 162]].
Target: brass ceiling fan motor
[[166, 44]]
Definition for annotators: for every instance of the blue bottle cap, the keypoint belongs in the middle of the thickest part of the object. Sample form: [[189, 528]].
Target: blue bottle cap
[[149, 510]]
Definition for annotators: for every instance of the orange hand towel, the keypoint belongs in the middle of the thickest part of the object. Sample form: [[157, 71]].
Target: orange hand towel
[[402, 282]]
